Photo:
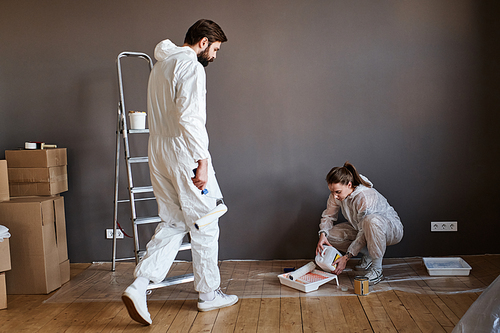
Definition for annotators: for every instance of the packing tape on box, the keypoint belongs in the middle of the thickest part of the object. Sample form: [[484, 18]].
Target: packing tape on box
[[30, 145]]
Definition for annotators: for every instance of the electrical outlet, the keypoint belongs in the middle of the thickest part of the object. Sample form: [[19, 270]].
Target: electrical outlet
[[109, 233], [444, 226]]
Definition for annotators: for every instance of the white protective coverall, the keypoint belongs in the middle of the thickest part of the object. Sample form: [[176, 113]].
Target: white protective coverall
[[178, 139], [373, 223]]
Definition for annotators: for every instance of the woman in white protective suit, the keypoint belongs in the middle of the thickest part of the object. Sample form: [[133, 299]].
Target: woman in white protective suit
[[372, 222], [178, 145]]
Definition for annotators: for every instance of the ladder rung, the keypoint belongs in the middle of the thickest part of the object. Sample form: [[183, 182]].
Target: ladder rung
[[185, 246], [146, 220], [142, 159], [142, 189], [133, 131], [124, 259], [170, 281], [136, 199]]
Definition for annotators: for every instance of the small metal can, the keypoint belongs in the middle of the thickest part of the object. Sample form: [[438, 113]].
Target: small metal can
[[361, 286]]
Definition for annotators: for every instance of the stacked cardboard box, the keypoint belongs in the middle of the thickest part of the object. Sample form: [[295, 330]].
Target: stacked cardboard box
[[38, 244], [4, 245], [37, 172], [36, 220]]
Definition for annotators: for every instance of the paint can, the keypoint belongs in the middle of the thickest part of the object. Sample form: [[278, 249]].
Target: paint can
[[361, 286], [137, 119]]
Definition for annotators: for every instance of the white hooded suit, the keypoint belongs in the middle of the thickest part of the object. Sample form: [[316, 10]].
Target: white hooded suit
[[178, 139]]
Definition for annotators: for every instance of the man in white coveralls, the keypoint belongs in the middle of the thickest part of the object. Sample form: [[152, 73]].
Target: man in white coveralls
[[178, 144]]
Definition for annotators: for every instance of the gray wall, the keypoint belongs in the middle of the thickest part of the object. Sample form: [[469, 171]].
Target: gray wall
[[405, 90]]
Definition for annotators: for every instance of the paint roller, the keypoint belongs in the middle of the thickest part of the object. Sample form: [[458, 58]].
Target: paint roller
[[302, 271], [211, 216]]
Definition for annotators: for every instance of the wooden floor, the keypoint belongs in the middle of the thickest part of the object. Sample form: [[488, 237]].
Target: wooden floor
[[408, 300]]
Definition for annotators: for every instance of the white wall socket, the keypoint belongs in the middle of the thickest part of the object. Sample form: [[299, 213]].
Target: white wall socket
[[109, 233], [444, 226]]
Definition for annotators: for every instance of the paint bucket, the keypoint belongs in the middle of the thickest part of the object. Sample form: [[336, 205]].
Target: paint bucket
[[361, 286], [137, 119]]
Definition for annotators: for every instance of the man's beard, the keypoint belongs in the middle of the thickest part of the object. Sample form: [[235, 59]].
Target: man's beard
[[204, 58]]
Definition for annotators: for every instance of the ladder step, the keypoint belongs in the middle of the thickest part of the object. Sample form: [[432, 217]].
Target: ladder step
[[170, 281], [136, 199], [184, 247], [146, 220], [133, 131], [142, 189], [141, 159]]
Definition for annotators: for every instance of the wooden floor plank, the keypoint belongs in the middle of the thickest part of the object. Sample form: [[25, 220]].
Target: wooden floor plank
[[400, 317], [354, 314], [376, 314], [290, 315], [226, 319], [249, 318], [312, 316], [333, 315], [269, 315], [185, 317], [204, 322]]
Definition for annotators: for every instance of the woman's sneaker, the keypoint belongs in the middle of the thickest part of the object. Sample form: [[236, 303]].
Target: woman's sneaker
[[220, 300], [374, 275], [366, 262]]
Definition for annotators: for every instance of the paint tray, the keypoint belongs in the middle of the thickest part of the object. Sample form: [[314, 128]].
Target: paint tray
[[309, 281], [452, 266]]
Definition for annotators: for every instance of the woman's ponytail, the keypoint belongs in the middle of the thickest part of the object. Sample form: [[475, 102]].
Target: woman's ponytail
[[357, 180], [345, 174]]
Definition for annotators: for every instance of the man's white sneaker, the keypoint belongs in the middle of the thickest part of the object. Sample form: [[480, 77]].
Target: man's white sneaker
[[221, 300], [136, 305], [374, 275], [366, 262]]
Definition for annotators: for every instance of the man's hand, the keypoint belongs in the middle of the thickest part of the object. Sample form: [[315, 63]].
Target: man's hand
[[322, 241], [201, 178]]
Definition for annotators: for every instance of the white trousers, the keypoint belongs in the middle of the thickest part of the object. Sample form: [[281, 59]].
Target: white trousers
[[180, 204], [377, 233]]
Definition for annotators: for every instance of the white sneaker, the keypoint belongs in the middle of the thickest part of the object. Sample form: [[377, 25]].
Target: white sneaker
[[366, 262], [221, 300], [374, 275], [136, 305]]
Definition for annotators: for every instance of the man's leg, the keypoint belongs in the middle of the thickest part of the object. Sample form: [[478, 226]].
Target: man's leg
[[205, 248], [154, 266]]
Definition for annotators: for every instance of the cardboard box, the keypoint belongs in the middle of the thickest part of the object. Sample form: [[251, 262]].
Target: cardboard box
[[38, 181], [38, 175], [36, 158], [5, 255], [38, 243], [4, 181], [3, 292]]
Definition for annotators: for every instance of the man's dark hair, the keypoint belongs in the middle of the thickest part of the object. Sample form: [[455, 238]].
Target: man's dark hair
[[204, 28]]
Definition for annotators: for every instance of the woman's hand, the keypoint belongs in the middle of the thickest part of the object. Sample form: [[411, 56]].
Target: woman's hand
[[341, 263], [322, 241]]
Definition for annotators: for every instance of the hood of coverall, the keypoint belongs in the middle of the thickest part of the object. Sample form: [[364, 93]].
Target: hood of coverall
[[367, 180], [166, 48]]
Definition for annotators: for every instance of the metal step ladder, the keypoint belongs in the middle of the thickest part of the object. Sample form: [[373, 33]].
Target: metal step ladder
[[122, 133]]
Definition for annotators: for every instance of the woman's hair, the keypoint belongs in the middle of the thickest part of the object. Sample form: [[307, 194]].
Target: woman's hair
[[345, 174], [204, 28]]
